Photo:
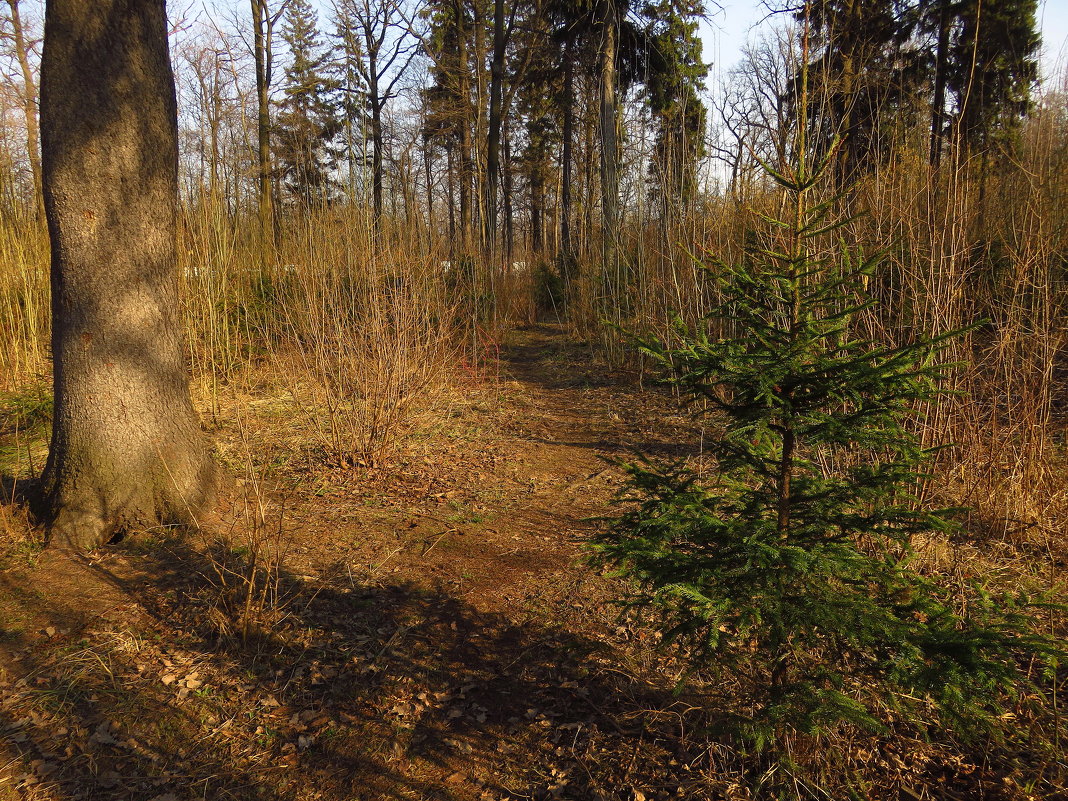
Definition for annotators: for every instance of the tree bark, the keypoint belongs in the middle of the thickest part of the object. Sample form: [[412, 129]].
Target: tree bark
[[127, 450], [450, 174], [375, 102], [261, 45], [566, 250], [463, 122], [506, 190], [478, 42], [606, 18], [493, 137], [428, 167], [938, 103], [378, 145]]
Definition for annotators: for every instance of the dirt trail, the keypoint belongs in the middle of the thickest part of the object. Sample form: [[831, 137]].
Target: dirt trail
[[435, 635]]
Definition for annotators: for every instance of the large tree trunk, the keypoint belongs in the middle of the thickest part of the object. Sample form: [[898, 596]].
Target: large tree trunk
[[127, 450]]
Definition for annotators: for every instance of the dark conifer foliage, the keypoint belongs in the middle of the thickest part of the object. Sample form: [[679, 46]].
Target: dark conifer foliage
[[785, 568], [866, 74], [993, 69], [675, 78], [880, 66], [308, 122]]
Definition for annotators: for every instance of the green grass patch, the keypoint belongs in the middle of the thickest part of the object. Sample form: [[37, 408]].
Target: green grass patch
[[28, 409]]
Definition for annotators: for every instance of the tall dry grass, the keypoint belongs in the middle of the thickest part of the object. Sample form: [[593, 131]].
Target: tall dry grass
[[360, 336], [372, 329], [24, 303], [362, 332], [975, 242]]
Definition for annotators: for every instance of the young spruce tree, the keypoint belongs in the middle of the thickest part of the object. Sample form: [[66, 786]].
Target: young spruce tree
[[788, 567]]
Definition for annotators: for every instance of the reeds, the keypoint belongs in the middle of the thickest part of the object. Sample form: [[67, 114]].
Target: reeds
[[24, 311]]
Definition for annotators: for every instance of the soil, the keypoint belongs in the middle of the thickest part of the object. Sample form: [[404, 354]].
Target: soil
[[428, 629]]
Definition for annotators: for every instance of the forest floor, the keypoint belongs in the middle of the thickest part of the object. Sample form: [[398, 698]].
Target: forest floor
[[430, 630]]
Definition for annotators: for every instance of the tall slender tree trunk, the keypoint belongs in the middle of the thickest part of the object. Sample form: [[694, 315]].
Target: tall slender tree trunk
[[851, 153], [450, 173], [537, 206], [493, 137], [938, 102], [127, 450], [377, 143], [586, 218], [506, 184], [375, 101], [607, 23], [463, 121], [478, 32], [262, 57], [567, 254], [404, 175], [428, 169], [29, 107], [213, 168]]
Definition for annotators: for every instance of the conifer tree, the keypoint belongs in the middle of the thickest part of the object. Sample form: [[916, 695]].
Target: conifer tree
[[993, 67], [377, 51], [865, 75], [675, 78], [352, 105], [789, 568], [308, 122], [449, 99]]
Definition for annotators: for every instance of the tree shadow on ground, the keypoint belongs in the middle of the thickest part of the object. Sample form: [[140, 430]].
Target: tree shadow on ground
[[140, 685]]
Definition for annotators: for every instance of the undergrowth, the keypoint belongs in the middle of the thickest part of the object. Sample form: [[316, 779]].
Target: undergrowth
[[786, 571]]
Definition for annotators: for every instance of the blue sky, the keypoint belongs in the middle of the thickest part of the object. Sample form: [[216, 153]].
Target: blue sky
[[724, 33]]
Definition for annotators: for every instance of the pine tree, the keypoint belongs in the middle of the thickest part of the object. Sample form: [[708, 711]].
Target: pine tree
[[983, 67], [864, 80], [308, 123], [675, 78], [352, 106], [451, 111], [789, 570], [993, 67]]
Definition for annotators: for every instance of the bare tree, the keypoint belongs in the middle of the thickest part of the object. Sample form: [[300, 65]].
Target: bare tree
[[29, 102], [387, 48], [263, 24], [755, 109]]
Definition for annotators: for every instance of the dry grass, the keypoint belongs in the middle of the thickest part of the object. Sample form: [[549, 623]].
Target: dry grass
[[341, 350], [24, 313], [372, 332]]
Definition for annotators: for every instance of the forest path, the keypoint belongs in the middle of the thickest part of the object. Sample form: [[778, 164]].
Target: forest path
[[431, 631], [495, 505]]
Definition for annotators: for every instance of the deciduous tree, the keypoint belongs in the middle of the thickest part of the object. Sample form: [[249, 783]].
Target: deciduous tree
[[127, 450]]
